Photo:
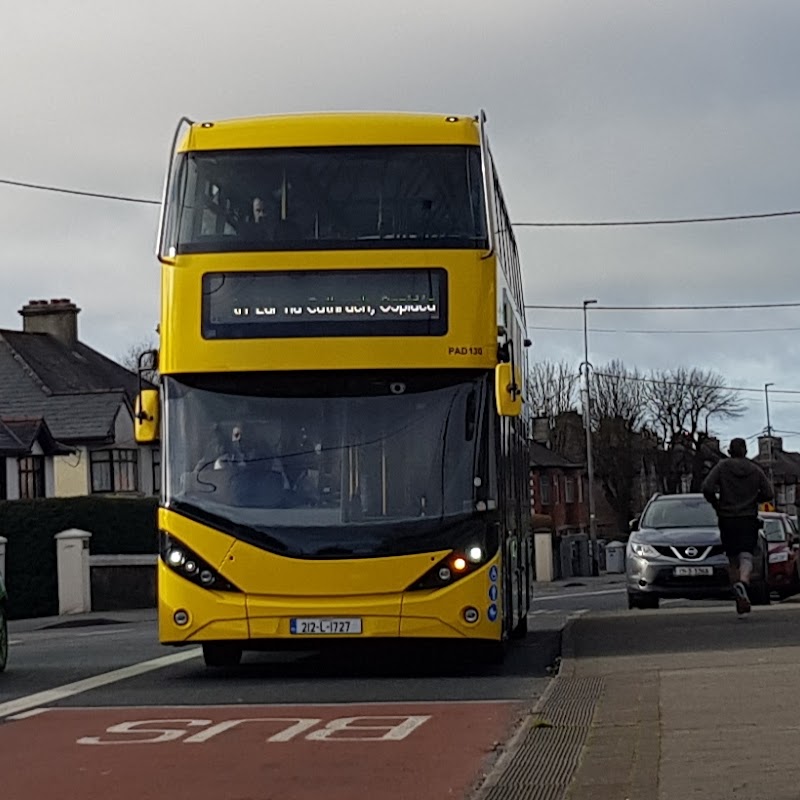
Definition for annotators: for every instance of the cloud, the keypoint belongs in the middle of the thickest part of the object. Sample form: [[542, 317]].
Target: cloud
[[600, 110]]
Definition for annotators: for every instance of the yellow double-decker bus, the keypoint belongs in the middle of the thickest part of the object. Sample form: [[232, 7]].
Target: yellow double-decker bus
[[340, 410]]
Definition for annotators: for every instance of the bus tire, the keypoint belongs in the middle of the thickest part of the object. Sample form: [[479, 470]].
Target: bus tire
[[491, 654], [521, 629], [222, 654]]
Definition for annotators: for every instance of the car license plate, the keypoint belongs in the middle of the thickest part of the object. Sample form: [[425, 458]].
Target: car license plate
[[692, 572], [324, 626]]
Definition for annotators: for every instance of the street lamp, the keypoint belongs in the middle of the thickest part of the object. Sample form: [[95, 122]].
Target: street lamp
[[769, 433], [587, 421]]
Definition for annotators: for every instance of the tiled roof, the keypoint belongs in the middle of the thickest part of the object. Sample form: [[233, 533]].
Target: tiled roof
[[29, 431], [77, 391], [784, 465], [10, 445], [78, 417], [542, 456], [67, 370]]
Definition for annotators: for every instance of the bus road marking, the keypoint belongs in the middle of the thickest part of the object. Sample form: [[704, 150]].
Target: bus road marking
[[365, 728]]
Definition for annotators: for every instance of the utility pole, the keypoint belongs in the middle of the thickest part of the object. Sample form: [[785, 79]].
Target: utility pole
[[769, 434], [587, 421]]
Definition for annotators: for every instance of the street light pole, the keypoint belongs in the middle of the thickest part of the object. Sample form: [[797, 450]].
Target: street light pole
[[587, 421], [769, 433]]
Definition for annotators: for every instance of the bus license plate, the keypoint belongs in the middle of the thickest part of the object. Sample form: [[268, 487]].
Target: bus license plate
[[691, 572], [324, 626]]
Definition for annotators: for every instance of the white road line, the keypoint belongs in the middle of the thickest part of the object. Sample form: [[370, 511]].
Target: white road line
[[69, 689], [567, 595], [100, 633], [14, 641], [279, 704], [32, 713]]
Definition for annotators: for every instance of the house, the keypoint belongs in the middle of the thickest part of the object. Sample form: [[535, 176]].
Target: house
[[66, 413], [783, 468], [558, 489]]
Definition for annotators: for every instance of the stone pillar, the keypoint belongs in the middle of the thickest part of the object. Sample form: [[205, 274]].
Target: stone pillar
[[543, 542], [74, 578], [3, 542]]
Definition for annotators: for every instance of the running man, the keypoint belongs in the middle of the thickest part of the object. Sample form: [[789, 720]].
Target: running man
[[735, 487]]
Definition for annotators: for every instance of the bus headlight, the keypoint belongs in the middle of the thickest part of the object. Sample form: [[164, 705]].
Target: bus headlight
[[181, 560], [452, 567]]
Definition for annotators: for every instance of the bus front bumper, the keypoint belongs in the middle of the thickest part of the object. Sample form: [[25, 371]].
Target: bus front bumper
[[190, 614]]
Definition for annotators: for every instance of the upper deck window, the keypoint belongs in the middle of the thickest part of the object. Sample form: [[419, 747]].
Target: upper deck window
[[328, 198]]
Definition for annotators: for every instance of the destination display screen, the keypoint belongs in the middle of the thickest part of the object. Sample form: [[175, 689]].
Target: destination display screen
[[374, 302]]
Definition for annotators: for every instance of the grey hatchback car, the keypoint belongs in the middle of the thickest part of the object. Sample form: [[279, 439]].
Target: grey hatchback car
[[674, 550]]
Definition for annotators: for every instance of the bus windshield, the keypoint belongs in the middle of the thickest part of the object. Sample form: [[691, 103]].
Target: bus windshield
[[327, 198], [312, 465]]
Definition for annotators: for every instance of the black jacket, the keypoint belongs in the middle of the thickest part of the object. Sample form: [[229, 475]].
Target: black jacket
[[736, 486]]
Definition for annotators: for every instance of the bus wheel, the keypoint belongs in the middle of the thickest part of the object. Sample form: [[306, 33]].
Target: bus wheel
[[222, 654], [521, 630], [491, 654]]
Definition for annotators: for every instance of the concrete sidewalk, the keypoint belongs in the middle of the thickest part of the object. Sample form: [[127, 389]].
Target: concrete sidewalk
[[666, 705], [607, 580], [91, 618]]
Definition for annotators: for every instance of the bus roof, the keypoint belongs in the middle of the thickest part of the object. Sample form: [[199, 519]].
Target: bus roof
[[332, 129]]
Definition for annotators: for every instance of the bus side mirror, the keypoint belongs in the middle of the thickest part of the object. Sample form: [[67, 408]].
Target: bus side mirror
[[507, 390], [146, 418]]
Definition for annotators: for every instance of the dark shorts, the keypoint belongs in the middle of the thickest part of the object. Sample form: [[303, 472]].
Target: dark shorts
[[739, 535]]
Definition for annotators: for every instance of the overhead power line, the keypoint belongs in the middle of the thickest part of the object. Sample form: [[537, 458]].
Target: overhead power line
[[79, 192], [579, 224], [713, 307], [642, 379], [662, 331], [678, 221]]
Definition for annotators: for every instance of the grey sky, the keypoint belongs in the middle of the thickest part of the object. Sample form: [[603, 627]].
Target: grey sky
[[597, 110]]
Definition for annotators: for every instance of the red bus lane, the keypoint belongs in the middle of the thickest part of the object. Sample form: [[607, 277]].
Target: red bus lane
[[382, 751]]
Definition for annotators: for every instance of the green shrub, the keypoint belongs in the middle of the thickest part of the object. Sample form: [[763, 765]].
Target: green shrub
[[119, 525]]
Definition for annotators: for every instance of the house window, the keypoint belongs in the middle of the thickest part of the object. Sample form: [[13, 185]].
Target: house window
[[544, 485], [156, 471], [580, 488], [556, 497], [790, 493], [114, 470], [31, 477], [569, 491], [3, 479]]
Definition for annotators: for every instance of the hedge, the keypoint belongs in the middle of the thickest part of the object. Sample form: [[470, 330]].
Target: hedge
[[118, 526]]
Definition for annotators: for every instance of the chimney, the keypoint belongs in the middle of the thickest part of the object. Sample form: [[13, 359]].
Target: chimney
[[541, 430], [57, 317], [769, 445]]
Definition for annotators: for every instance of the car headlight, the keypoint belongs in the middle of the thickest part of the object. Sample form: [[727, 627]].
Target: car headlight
[[776, 558], [643, 550]]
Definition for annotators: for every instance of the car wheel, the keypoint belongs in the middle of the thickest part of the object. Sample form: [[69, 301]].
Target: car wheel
[[3, 639], [222, 654], [642, 600]]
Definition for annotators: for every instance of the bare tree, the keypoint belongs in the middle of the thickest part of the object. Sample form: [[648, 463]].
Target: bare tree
[[619, 392], [130, 360], [552, 386], [682, 403], [622, 450]]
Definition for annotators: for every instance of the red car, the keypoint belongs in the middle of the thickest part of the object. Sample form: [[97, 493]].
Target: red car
[[784, 553]]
